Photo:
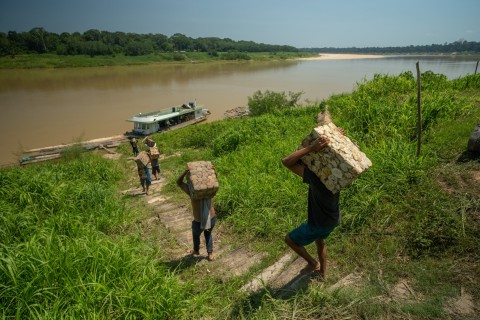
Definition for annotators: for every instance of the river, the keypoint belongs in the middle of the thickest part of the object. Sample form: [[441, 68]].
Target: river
[[44, 107]]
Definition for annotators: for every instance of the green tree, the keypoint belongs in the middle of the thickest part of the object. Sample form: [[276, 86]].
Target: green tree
[[139, 48], [36, 40], [4, 44], [181, 42], [160, 42], [92, 35]]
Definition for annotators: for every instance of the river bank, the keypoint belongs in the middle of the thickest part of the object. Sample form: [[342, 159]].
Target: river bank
[[343, 56], [49, 61]]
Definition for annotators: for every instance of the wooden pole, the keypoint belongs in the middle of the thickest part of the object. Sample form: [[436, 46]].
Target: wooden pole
[[419, 112], [476, 68]]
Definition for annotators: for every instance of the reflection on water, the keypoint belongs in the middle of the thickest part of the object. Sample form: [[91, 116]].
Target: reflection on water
[[47, 107], [115, 78]]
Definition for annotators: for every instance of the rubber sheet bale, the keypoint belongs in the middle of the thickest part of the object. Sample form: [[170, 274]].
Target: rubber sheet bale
[[340, 163], [149, 142], [142, 159], [202, 179], [154, 153]]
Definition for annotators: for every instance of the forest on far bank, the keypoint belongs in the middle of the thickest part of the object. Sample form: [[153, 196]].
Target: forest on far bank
[[460, 46], [97, 43], [94, 42]]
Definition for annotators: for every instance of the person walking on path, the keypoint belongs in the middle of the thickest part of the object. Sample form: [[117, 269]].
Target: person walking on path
[[154, 161], [203, 219], [323, 211], [143, 172], [134, 144]]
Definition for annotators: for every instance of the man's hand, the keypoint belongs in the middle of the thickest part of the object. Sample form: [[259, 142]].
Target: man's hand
[[320, 143]]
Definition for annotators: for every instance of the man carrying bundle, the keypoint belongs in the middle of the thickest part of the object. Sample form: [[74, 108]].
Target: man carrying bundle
[[323, 211], [154, 155], [142, 161], [203, 211], [134, 144]]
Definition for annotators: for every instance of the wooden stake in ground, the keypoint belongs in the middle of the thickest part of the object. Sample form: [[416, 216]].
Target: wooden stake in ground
[[419, 112]]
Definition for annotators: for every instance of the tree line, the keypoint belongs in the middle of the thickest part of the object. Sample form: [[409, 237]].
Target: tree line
[[95, 42], [460, 46]]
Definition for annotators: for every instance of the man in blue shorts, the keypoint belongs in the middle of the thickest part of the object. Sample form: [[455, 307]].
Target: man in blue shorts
[[323, 211]]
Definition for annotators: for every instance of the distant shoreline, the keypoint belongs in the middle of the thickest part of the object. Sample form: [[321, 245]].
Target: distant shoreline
[[343, 56]]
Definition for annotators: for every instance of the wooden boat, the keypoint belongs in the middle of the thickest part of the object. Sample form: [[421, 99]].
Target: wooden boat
[[55, 152], [178, 116]]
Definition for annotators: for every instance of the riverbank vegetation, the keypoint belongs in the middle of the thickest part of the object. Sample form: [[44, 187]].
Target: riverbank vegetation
[[71, 245], [30, 61], [460, 47]]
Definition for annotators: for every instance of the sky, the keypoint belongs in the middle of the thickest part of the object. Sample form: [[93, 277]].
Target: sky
[[298, 23]]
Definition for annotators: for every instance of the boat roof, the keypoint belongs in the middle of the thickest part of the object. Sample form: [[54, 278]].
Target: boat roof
[[164, 114]]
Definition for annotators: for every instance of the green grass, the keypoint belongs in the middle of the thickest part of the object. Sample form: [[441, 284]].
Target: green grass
[[29, 61], [72, 247], [58, 257]]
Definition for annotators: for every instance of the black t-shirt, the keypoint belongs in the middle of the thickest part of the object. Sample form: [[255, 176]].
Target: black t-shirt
[[323, 205]]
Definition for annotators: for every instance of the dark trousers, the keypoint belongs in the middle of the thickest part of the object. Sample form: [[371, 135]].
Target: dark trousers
[[196, 233], [135, 151]]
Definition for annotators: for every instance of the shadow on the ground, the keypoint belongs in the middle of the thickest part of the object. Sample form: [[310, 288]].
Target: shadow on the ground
[[298, 284], [468, 156], [251, 303], [184, 262], [246, 308]]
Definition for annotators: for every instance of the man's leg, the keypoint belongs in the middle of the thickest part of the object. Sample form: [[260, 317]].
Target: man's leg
[[302, 252], [209, 239], [148, 181], [196, 232], [322, 256]]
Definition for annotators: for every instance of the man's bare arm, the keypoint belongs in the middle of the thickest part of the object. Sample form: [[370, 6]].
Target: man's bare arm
[[182, 183], [292, 161]]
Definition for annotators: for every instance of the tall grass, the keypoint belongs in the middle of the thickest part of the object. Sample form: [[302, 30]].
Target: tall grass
[[57, 259]]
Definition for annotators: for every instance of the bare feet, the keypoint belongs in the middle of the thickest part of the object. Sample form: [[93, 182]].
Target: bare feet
[[210, 257], [194, 252], [309, 269]]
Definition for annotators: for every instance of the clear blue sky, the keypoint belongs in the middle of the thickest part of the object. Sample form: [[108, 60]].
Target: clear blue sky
[[299, 23]]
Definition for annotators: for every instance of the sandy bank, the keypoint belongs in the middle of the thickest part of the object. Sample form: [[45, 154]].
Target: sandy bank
[[343, 56]]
